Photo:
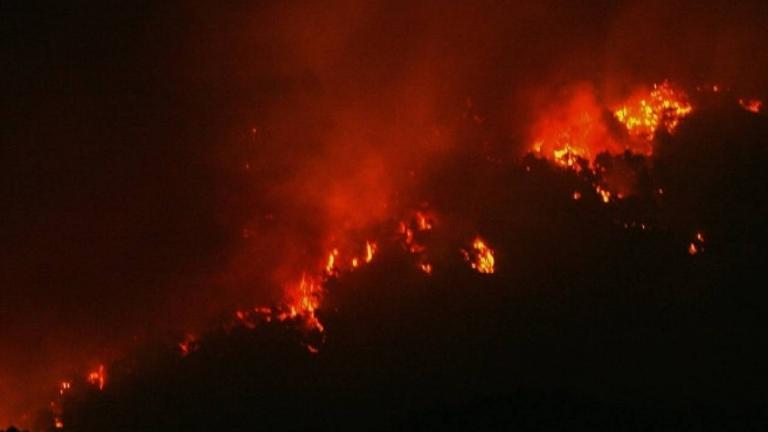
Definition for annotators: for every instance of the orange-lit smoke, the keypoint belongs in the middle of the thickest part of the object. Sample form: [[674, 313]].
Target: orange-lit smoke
[[351, 105], [576, 125]]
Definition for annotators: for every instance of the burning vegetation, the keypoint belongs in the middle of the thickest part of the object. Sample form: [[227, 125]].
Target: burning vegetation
[[643, 114], [421, 237], [480, 257], [387, 216]]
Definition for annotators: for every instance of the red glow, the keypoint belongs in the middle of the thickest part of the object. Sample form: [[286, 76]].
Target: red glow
[[751, 105], [98, 377], [573, 129]]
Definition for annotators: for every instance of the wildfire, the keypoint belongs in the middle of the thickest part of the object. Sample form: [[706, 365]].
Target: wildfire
[[301, 299], [697, 245], [305, 300], [569, 135], [330, 266], [751, 105], [605, 194], [370, 251], [423, 222], [569, 157], [98, 377], [407, 233], [408, 229], [426, 268], [333, 264], [418, 223], [571, 131], [188, 345], [644, 113], [481, 258]]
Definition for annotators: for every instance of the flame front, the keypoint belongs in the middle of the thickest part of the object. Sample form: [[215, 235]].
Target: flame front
[[571, 139], [304, 300], [644, 113]]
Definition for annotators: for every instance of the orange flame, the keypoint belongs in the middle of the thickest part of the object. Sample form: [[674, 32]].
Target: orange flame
[[305, 300], [644, 113], [98, 377], [418, 223], [572, 129], [605, 194], [751, 105], [422, 222], [426, 268], [370, 251], [482, 257], [189, 344], [697, 245], [330, 266]]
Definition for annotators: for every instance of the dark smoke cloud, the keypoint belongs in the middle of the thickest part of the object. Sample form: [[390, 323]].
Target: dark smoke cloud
[[128, 127]]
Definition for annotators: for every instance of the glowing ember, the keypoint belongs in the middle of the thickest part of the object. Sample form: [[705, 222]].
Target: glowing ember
[[407, 237], [576, 195], [64, 386], [189, 344], [751, 105], [697, 245], [605, 194], [98, 377], [333, 265], [426, 268], [644, 113], [422, 222], [482, 257], [370, 251], [58, 423]]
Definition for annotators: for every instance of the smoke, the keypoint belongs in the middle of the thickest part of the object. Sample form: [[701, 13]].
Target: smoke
[[594, 315], [167, 163]]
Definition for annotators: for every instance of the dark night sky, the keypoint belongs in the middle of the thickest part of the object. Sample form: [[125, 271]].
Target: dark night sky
[[126, 124]]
